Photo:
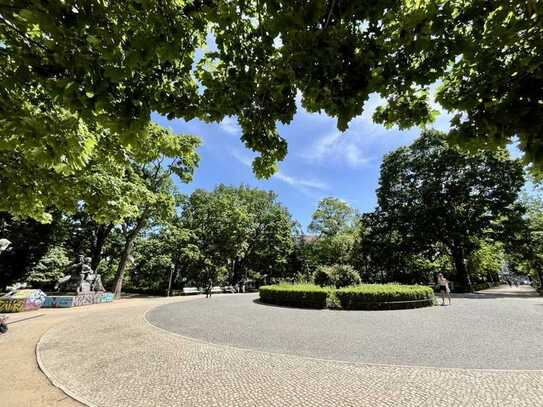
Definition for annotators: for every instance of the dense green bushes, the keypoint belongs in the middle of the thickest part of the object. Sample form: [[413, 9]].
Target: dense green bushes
[[365, 296], [298, 295], [338, 275], [384, 296]]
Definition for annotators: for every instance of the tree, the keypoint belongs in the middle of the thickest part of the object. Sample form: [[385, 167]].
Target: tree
[[483, 55], [331, 217], [50, 268], [487, 261], [431, 193], [334, 223], [30, 241], [525, 252], [111, 64], [243, 230]]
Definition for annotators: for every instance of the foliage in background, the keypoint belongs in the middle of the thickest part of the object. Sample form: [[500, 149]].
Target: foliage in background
[[244, 230], [50, 268], [432, 196]]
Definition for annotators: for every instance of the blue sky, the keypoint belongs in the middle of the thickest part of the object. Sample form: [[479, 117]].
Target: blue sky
[[321, 160]]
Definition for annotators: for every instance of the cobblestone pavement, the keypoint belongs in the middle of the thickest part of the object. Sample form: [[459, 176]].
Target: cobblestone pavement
[[116, 358], [21, 381], [491, 331]]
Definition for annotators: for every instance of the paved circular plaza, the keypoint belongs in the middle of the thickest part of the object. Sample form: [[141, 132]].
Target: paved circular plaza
[[484, 333], [233, 351]]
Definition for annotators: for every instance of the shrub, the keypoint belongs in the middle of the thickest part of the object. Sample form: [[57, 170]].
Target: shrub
[[337, 275], [344, 276], [298, 295], [361, 297], [385, 296], [322, 276]]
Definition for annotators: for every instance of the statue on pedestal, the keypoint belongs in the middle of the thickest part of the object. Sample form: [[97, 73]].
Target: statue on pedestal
[[82, 279]]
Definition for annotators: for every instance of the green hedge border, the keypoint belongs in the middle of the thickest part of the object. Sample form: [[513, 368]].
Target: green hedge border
[[361, 297], [294, 295]]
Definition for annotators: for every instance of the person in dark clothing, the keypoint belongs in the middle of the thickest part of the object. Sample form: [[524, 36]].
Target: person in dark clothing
[[3, 324], [208, 288]]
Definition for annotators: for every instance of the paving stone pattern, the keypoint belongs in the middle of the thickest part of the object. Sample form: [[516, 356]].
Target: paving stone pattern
[[475, 332], [117, 358]]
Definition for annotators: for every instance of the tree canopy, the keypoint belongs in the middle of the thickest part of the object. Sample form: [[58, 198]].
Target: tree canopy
[[331, 217], [242, 230], [78, 80], [431, 193]]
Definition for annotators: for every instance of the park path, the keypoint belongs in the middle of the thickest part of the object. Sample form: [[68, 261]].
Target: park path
[[21, 381], [116, 358], [505, 290]]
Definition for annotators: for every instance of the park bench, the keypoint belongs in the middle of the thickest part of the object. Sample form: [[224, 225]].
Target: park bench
[[190, 290], [229, 289]]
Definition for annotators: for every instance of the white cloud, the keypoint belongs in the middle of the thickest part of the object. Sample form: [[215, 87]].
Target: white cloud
[[230, 125], [302, 183], [339, 147]]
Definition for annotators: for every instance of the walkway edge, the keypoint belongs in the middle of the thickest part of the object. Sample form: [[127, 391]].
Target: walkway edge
[[51, 377]]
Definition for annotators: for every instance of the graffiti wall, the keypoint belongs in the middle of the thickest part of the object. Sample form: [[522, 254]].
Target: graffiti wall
[[22, 300], [66, 301], [58, 301], [12, 305]]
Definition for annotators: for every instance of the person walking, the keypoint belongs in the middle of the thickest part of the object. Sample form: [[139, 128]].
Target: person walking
[[3, 324], [444, 288], [208, 288]]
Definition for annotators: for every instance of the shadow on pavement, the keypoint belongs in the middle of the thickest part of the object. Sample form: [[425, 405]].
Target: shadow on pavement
[[482, 296]]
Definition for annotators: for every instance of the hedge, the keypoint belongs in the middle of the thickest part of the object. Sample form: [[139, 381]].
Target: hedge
[[385, 296], [360, 297], [295, 295]]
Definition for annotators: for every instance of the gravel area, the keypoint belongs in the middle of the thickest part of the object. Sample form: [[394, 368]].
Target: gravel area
[[500, 330], [116, 358]]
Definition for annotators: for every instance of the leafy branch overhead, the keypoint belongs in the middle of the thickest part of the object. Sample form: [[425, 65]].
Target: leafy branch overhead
[[79, 80]]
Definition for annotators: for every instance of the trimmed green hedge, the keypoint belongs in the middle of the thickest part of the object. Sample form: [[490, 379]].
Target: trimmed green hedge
[[295, 295], [360, 297], [385, 296]]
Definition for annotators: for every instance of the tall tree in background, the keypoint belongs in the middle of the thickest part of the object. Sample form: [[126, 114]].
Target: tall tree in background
[[241, 230], [150, 179], [334, 222], [331, 217], [432, 193]]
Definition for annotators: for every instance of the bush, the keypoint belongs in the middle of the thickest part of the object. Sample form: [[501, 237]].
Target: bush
[[337, 275], [322, 276], [344, 276], [298, 295], [361, 297], [385, 296]]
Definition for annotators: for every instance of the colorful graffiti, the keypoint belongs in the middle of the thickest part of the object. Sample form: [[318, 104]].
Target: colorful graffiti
[[22, 300], [106, 297], [58, 301], [12, 305], [66, 301]]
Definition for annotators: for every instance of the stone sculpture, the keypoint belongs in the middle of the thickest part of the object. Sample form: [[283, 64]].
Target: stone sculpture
[[4, 245], [81, 279]]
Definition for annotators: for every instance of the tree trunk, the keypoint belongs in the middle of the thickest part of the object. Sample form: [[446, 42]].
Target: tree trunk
[[119, 276], [460, 266], [102, 233]]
